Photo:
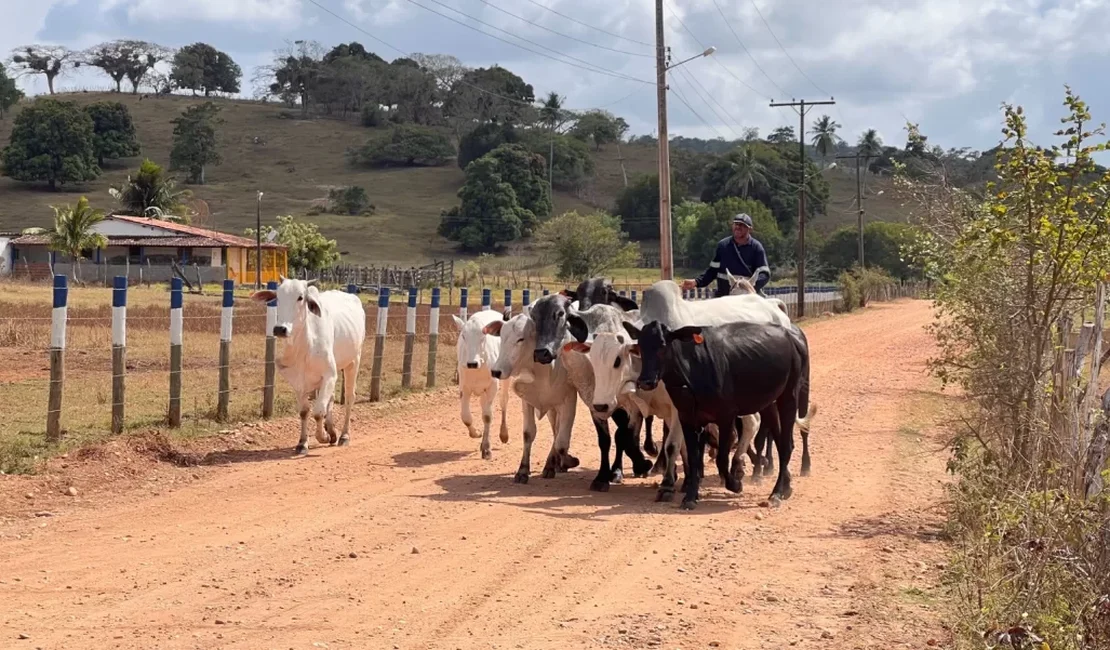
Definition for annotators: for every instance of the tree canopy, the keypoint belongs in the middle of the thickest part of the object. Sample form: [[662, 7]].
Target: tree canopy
[[10, 94], [308, 248], [699, 226], [404, 146], [882, 248], [51, 141], [114, 133], [586, 245], [638, 206], [125, 59], [151, 188], [73, 232], [194, 140], [49, 61], [202, 67]]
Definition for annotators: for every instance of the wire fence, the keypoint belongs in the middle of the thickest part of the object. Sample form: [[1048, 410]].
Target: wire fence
[[87, 369]]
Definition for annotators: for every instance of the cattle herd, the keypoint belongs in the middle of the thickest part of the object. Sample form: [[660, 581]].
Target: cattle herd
[[730, 374]]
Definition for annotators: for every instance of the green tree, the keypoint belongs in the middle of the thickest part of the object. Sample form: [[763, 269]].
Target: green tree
[[308, 248], [883, 244], [404, 146], [51, 141], [194, 141], [574, 166], [124, 59], [747, 171], [701, 226], [296, 78], [600, 127], [551, 114], [351, 200], [586, 245], [783, 135], [485, 139], [150, 193], [870, 146], [114, 133], [824, 135], [353, 50], [73, 232], [10, 94], [202, 67], [638, 206], [49, 61], [490, 94], [412, 92]]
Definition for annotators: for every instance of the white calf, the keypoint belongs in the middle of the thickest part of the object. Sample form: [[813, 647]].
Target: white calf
[[323, 333], [477, 352]]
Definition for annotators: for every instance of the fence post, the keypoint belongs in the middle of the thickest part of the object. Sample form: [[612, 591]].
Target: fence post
[[271, 355], [226, 313], [486, 299], [547, 292], [57, 359], [177, 327], [464, 293], [525, 300], [433, 339], [119, 349], [508, 303], [410, 340], [379, 345], [634, 296]]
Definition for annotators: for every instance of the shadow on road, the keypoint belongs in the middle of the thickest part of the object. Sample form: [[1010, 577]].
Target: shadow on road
[[423, 457]]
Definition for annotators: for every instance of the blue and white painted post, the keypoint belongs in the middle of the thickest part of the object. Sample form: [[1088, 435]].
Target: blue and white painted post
[[271, 355], [508, 303], [487, 299], [433, 339], [57, 359], [464, 294], [634, 296], [226, 314], [177, 326], [119, 349], [547, 292], [410, 340], [526, 299], [379, 345]]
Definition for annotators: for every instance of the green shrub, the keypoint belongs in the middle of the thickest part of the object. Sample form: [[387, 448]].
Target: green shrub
[[404, 146], [373, 116], [849, 291], [349, 200], [874, 284]]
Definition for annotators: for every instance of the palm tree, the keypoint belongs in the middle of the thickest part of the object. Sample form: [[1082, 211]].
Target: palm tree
[[870, 146], [73, 232], [824, 135], [551, 113], [746, 171], [151, 192]]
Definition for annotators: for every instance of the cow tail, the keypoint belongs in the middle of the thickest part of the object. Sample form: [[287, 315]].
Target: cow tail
[[806, 411]]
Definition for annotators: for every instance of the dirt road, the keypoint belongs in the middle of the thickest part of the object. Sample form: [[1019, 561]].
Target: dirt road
[[409, 540]]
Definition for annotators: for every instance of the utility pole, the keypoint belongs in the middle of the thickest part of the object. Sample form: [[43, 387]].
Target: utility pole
[[258, 249], [801, 106], [859, 202], [666, 258]]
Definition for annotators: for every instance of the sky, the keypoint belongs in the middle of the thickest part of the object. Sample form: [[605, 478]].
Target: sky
[[947, 65]]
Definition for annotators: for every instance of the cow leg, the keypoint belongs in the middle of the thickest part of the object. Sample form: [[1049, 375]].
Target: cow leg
[[467, 419], [628, 441], [504, 434], [350, 376], [726, 434], [671, 450], [660, 465], [302, 444], [649, 442], [784, 442], [805, 450], [695, 448], [324, 397], [767, 452], [487, 419], [562, 422], [601, 481], [525, 468], [748, 428]]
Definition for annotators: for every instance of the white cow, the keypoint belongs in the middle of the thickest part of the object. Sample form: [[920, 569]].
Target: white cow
[[477, 352], [323, 333], [544, 389]]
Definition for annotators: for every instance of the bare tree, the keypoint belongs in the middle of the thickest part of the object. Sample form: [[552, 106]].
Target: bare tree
[[47, 60], [447, 69]]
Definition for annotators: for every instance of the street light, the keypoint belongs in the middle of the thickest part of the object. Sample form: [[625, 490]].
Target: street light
[[666, 255]]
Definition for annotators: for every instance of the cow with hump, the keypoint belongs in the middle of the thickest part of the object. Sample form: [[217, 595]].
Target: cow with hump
[[323, 333], [477, 352]]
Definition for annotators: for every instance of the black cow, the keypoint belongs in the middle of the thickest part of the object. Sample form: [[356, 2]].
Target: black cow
[[714, 374], [550, 316]]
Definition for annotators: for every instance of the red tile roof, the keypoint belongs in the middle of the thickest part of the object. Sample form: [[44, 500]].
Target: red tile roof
[[223, 238]]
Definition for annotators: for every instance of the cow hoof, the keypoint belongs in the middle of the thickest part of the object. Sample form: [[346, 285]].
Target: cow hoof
[[688, 505], [664, 495], [805, 468], [568, 462], [504, 436], [472, 432], [301, 450], [548, 472], [651, 449], [487, 454], [332, 438], [732, 485], [521, 478], [344, 440], [617, 478], [642, 469], [599, 485]]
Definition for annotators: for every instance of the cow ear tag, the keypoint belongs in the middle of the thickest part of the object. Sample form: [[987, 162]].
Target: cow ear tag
[[699, 339]]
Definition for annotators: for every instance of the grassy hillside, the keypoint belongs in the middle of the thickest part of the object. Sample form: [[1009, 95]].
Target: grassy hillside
[[296, 161]]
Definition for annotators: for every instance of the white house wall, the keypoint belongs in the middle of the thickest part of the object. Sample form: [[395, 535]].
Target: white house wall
[[112, 227], [5, 256]]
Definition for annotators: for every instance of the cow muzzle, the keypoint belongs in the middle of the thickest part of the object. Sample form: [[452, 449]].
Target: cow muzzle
[[281, 331], [647, 384], [473, 365], [542, 355], [495, 373]]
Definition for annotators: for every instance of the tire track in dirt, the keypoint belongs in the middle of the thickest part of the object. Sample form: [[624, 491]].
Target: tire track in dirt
[[319, 552]]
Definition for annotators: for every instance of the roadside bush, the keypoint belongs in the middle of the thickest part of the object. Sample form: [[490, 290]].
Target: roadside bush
[[373, 116], [404, 146], [874, 284], [849, 291]]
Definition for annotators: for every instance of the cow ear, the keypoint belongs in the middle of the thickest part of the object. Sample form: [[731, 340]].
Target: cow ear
[[460, 323], [527, 310], [312, 283], [313, 306], [578, 328], [688, 333], [263, 296], [576, 346], [573, 295], [632, 330], [493, 328], [621, 301]]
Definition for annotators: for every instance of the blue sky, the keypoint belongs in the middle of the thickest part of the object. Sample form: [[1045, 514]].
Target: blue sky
[[946, 64]]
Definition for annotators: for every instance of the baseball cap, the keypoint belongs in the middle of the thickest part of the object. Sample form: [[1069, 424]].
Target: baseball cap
[[743, 218]]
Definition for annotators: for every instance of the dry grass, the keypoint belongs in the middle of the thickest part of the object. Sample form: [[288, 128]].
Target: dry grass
[[295, 162]]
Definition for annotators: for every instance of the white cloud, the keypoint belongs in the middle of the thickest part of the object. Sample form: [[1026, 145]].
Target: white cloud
[[249, 14], [379, 12]]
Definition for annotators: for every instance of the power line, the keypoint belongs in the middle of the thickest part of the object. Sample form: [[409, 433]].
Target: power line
[[589, 67], [716, 59], [558, 33], [724, 120], [575, 20], [744, 47], [768, 26], [728, 116]]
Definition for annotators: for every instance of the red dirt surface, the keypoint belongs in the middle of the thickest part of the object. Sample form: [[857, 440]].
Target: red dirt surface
[[408, 540]]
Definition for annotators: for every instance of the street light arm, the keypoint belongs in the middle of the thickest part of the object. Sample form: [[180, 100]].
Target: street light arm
[[708, 51]]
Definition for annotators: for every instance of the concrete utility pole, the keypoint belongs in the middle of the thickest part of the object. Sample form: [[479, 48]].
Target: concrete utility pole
[[258, 242], [801, 106], [662, 56], [859, 202]]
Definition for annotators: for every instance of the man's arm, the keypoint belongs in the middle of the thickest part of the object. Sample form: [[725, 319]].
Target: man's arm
[[710, 274], [761, 262]]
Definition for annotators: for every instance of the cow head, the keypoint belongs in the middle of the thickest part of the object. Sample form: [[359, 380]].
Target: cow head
[[471, 347], [653, 340], [740, 285], [518, 340], [612, 359], [550, 317], [295, 300], [598, 291]]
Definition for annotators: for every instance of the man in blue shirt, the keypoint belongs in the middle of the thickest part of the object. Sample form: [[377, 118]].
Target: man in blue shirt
[[741, 254]]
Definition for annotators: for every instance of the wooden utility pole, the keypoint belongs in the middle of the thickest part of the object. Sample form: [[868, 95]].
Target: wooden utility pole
[[801, 106], [859, 202], [666, 259]]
